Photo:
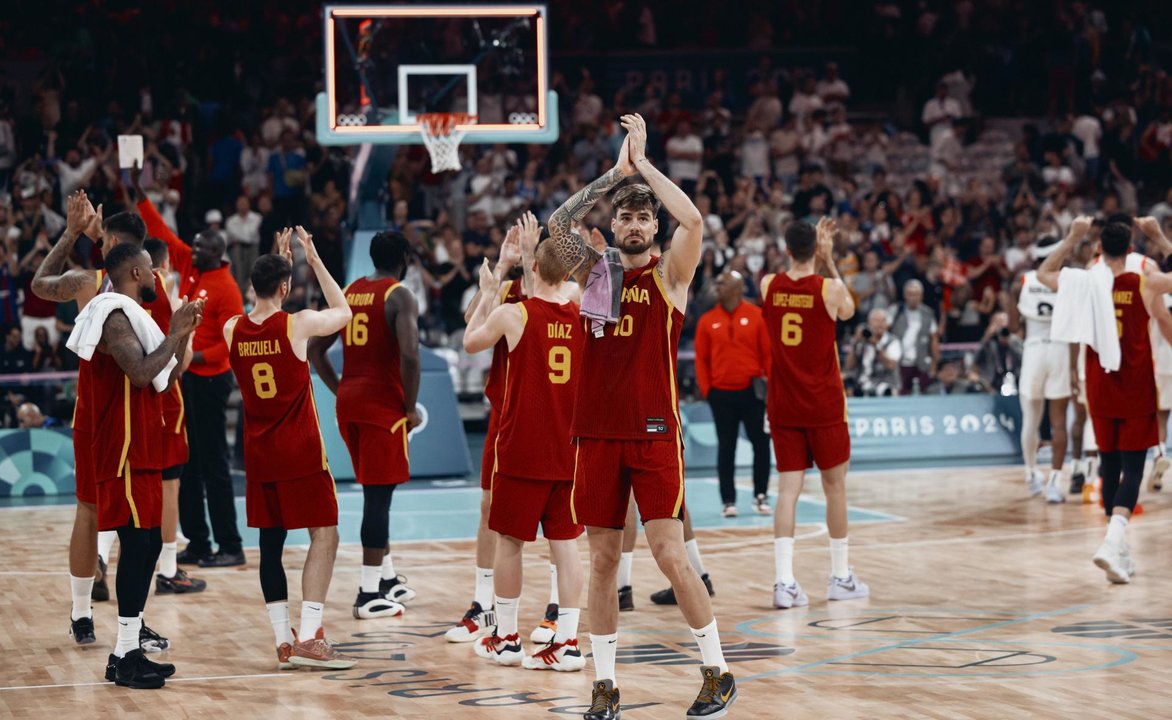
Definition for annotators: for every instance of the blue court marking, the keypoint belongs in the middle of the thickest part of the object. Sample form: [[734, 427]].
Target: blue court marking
[[908, 643], [437, 514]]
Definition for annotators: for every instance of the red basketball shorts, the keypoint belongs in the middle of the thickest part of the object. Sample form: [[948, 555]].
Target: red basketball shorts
[[379, 455], [305, 502], [174, 436], [135, 499], [85, 485], [606, 472], [1126, 434], [519, 505], [798, 448]]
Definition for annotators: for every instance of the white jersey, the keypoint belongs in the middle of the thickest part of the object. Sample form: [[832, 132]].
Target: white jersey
[[1160, 347], [1035, 304]]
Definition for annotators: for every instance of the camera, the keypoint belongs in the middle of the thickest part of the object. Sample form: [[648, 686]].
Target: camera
[[1004, 332], [867, 334]]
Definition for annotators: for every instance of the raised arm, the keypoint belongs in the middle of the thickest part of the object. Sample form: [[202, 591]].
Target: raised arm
[[310, 323], [1150, 227], [527, 232], [1052, 266], [49, 282], [839, 302], [572, 249], [492, 321], [402, 318], [679, 263], [124, 346], [510, 256], [179, 251]]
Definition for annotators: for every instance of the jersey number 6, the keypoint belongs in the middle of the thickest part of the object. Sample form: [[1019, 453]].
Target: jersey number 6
[[356, 333], [791, 329]]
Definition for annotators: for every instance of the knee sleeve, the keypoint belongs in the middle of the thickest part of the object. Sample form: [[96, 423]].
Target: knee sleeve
[[1110, 468], [272, 570], [1127, 495], [376, 509], [132, 581]]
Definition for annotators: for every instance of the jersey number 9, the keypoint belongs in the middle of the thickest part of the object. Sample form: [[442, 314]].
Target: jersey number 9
[[559, 364]]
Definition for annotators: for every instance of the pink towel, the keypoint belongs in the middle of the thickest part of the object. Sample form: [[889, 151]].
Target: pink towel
[[603, 292]]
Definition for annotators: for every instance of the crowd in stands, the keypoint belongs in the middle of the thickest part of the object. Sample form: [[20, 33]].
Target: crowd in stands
[[937, 207]]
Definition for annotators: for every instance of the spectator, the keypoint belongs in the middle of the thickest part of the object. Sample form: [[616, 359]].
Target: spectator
[[288, 180], [949, 381], [919, 336], [832, 88], [36, 312], [872, 286], [9, 282], [34, 217], [254, 164], [805, 102], [939, 113], [74, 173], [1088, 130], [987, 270], [1000, 356], [732, 361], [243, 233], [45, 356], [872, 361], [587, 106], [29, 416], [685, 150]]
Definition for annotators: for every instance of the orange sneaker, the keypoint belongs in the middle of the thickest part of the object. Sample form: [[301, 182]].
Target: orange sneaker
[[317, 652], [284, 651]]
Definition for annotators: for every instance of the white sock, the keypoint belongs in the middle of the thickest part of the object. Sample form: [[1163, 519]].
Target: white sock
[[783, 560], [567, 624], [839, 557], [81, 588], [693, 549], [127, 635], [553, 584], [1076, 466], [506, 615], [484, 587], [625, 561], [167, 565], [370, 578], [106, 540], [388, 567], [279, 619], [1116, 529], [1055, 477], [604, 647], [1160, 451], [311, 613], [709, 641]]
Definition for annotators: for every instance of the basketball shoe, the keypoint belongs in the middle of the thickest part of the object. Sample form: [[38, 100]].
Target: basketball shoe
[[1156, 477], [132, 671], [82, 630], [284, 652], [503, 650], [1111, 558], [396, 589], [1078, 477], [561, 657], [788, 596], [761, 505], [718, 692], [1054, 492], [848, 588], [544, 632], [476, 624], [317, 652], [626, 598], [164, 670], [101, 589], [730, 511], [152, 642], [369, 605], [1035, 481], [604, 702], [668, 595], [180, 584]]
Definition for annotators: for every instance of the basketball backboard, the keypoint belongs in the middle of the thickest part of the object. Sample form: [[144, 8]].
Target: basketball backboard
[[387, 64]]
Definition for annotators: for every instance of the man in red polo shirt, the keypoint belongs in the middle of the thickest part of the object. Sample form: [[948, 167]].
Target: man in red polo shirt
[[203, 275], [732, 359]]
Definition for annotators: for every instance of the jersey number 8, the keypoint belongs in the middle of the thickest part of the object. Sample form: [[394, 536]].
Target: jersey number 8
[[559, 364], [791, 329], [264, 381], [356, 333]]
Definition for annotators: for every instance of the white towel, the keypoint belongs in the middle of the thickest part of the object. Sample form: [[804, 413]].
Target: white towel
[[1085, 312], [87, 330]]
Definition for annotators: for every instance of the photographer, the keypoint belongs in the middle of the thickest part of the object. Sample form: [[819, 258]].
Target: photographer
[[873, 358], [1000, 354]]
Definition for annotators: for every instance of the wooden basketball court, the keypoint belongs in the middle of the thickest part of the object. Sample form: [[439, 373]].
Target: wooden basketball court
[[984, 604]]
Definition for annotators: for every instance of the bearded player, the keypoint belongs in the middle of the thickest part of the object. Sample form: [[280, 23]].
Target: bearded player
[[288, 483], [626, 423]]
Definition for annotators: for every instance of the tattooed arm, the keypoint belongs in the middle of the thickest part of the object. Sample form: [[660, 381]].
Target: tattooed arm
[[49, 282], [124, 346], [572, 249]]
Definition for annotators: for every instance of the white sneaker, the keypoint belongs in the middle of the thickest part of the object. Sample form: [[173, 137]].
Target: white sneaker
[[848, 588], [1054, 492], [788, 596], [396, 589], [502, 650], [560, 657], [370, 605], [1036, 482], [476, 624], [543, 634], [761, 505], [1156, 477], [730, 511], [1128, 562], [1110, 558]]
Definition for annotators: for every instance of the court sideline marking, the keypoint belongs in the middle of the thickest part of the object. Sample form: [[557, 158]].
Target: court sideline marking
[[169, 680]]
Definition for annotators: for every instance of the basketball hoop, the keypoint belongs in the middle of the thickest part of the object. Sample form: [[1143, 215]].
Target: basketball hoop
[[442, 138]]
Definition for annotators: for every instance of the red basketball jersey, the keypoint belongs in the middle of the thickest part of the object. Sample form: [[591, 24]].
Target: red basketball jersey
[[126, 422], [160, 308], [282, 439], [805, 385], [172, 401], [510, 293], [627, 388], [1130, 392], [539, 391], [81, 409], [371, 388]]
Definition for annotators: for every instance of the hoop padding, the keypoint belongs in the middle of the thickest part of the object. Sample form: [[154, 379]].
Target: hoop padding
[[442, 136]]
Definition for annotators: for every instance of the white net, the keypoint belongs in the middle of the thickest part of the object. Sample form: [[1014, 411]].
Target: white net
[[442, 138]]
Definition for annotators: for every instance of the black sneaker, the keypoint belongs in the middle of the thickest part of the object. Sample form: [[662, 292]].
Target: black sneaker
[[604, 703], [373, 605], [82, 630], [626, 598], [101, 589], [152, 642], [187, 556], [164, 670], [180, 584], [1077, 480], [718, 692], [130, 671], [396, 589], [222, 559], [668, 596]]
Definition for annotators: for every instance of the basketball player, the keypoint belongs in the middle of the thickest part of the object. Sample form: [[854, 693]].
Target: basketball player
[[125, 412], [1122, 404], [626, 419], [376, 409], [1045, 378], [534, 463], [289, 485], [1150, 227], [88, 549], [806, 403]]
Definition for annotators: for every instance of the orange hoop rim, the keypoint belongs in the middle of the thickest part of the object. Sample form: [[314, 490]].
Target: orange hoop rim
[[442, 124]]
